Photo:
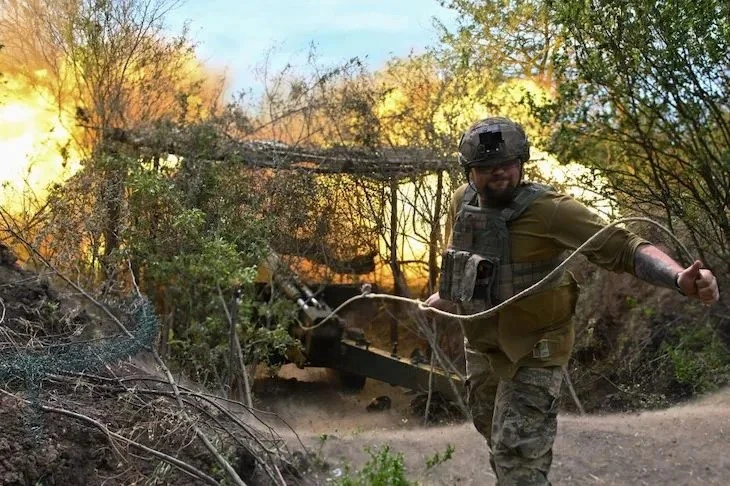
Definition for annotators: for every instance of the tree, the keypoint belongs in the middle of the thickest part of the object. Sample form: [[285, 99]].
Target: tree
[[1, 74], [111, 63], [644, 100], [500, 40]]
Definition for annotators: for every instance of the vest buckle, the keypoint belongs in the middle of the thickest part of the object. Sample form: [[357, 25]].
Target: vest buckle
[[541, 350]]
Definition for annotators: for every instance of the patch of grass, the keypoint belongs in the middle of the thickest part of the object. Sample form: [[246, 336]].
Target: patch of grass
[[437, 458]]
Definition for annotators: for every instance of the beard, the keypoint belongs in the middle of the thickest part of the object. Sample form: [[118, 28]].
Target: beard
[[500, 197]]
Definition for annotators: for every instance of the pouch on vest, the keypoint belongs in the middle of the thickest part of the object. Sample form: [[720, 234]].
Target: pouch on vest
[[466, 276]]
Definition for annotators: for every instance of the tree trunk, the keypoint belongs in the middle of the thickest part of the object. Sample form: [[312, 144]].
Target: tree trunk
[[433, 241]]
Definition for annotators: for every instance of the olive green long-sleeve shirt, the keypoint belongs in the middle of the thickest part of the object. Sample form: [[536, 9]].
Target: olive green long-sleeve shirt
[[552, 224]]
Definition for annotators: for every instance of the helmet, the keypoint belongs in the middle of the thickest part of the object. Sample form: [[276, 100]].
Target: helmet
[[493, 141]]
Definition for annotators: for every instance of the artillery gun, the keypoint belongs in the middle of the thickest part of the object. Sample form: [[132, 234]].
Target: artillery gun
[[328, 343]]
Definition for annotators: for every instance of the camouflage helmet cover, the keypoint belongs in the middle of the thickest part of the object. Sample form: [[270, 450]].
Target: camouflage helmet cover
[[493, 141]]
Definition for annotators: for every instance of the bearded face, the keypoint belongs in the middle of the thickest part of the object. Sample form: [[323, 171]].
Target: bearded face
[[498, 183]]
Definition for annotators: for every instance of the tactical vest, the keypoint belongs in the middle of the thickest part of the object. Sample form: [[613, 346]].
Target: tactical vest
[[478, 265]]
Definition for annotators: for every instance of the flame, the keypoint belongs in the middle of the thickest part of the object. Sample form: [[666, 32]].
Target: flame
[[36, 141], [40, 138]]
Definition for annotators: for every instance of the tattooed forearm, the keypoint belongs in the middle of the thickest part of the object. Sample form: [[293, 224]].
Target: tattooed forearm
[[654, 266]]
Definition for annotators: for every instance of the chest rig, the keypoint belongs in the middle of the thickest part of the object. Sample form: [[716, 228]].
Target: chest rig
[[478, 265]]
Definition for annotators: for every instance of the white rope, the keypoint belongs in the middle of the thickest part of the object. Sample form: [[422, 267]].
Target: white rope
[[468, 317]]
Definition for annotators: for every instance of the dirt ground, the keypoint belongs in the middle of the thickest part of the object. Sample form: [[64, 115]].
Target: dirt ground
[[687, 444]]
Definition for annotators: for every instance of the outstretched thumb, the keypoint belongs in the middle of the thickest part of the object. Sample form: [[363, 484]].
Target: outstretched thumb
[[693, 270]]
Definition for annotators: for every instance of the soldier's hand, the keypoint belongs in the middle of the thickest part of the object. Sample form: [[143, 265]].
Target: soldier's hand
[[695, 281], [435, 300]]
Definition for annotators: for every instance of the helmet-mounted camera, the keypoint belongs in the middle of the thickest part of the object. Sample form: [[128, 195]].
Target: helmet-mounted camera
[[493, 141]]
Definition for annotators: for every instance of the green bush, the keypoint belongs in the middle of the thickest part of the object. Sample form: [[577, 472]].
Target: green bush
[[700, 359], [190, 231], [384, 468]]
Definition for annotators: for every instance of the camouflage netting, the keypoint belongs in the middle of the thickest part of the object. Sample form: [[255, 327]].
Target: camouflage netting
[[32, 365], [382, 163]]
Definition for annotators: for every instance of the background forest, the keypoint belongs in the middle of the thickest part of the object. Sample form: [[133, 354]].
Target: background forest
[[180, 193]]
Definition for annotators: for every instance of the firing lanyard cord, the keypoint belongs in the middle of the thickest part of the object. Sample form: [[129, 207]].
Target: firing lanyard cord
[[492, 310]]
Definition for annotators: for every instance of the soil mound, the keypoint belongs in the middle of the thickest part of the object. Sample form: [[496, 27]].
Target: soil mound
[[75, 410]]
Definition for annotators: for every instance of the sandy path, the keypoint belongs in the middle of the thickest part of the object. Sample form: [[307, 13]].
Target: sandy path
[[684, 445]]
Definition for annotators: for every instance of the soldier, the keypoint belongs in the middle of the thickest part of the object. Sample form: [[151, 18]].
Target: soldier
[[504, 236]]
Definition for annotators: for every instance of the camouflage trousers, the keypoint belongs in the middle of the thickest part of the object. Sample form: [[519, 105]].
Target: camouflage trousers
[[517, 416]]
